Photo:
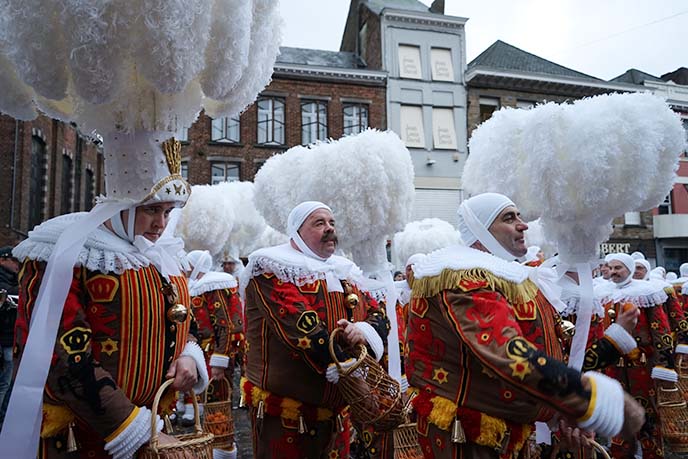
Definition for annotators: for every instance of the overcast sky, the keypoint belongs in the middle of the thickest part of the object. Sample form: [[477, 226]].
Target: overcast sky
[[603, 38]]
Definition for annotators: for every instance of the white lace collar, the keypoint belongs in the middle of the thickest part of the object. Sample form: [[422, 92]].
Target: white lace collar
[[641, 293], [290, 265], [570, 296], [211, 281], [458, 257]]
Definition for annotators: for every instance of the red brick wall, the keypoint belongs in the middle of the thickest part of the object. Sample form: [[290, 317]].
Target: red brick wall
[[249, 153]]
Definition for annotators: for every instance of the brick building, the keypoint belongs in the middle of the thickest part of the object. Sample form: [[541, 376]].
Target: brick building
[[49, 168], [314, 95]]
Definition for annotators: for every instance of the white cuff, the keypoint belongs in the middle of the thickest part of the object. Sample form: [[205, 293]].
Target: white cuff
[[332, 372], [664, 374], [622, 340], [372, 337], [225, 454], [138, 432], [194, 351], [404, 384], [219, 360], [682, 349], [605, 414]]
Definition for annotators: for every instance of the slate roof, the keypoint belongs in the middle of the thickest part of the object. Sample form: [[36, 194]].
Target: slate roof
[[634, 76], [376, 6], [318, 57], [503, 56]]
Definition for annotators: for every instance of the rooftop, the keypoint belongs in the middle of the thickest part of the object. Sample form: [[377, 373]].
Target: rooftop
[[318, 57], [634, 76]]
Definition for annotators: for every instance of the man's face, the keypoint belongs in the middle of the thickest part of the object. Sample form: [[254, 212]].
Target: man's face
[[619, 271], [409, 271], [10, 264], [508, 230], [640, 272], [152, 219], [229, 266], [606, 272], [319, 234]]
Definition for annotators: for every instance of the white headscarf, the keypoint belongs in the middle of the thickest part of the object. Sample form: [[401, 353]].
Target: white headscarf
[[627, 261], [646, 264], [201, 261], [475, 217], [659, 273], [638, 255], [297, 216], [415, 258], [683, 270], [671, 277]]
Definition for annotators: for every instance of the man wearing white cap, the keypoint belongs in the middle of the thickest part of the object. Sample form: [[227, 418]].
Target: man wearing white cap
[[125, 326], [642, 269], [483, 350], [650, 366], [296, 294]]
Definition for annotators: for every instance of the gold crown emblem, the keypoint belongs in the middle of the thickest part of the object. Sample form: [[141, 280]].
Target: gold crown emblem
[[173, 154]]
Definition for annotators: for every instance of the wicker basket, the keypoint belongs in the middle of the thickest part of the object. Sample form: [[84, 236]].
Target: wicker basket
[[673, 416], [373, 396], [599, 451], [682, 370], [406, 444], [197, 445], [217, 418]]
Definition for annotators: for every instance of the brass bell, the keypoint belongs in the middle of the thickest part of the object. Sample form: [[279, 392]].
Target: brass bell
[[568, 328], [168, 424], [261, 410], [302, 425], [621, 363], [643, 359], [352, 299], [611, 312], [458, 434], [177, 313], [71, 439]]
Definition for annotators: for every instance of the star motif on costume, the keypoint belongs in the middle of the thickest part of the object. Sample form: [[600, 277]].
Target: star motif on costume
[[167, 190], [520, 368], [109, 346], [654, 325], [440, 375], [334, 454], [304, 343]]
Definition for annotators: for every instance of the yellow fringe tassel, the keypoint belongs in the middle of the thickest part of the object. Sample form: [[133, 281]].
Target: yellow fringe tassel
[[56, 418]]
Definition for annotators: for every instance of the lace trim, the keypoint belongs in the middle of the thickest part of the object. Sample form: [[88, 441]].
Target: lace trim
[[212, 281], [293, 274], [572, 303]]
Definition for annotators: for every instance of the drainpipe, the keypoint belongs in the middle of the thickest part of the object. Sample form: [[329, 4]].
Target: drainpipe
[[14, 172]]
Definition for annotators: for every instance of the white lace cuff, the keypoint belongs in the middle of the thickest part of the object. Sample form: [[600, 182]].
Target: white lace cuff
[[605, 413], [219, 360], [620, 338], [129, 440], [194, 351], [372, 337], [682, 349], [664, 374]]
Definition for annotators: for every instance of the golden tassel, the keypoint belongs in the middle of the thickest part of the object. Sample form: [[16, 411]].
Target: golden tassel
[[302, 425], [643, 359], [340, 423], [261, 410], [458, 435], [621, 362], [71, 439]]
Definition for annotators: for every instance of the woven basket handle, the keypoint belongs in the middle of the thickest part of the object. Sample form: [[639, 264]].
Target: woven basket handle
[[598, 448], [362, 355], [205, 392], [156, 402]]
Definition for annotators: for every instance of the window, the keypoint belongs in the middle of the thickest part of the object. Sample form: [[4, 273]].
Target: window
[[409, 62], [182, 134], [441, 61], [226, 130], [37, 184], [313, 121], [443, 132], [90, 189], [525, 104], [412, 132], [488, 105], [225, 172], [271, 121], [67, 184], [666, 207], [685, 128], [355, 118], [632, 219], [185, 170]]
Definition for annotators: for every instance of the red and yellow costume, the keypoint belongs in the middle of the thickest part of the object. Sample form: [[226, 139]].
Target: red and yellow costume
[[290, 313], [485, 357]]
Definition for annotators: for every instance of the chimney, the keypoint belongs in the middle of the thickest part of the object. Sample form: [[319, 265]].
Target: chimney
[[437, 6]]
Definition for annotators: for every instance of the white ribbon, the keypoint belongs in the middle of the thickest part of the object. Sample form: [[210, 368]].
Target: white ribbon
[[393, 354], [583, 316], [20, 435], [546, 280], [483, 235], [161, 253]]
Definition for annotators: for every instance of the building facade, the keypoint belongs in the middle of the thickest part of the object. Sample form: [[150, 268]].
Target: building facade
[[423, 52], [49, 168], [314, 96]]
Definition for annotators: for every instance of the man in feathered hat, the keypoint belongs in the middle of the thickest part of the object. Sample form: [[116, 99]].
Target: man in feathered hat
[[483, 348], [650, 367], [125, 326], [296, 295]]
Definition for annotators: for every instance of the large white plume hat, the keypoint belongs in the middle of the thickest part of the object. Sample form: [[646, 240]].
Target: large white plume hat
[[422, 236]]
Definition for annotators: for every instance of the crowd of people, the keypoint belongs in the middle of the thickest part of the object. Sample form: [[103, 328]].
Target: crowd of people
[[485, 335]]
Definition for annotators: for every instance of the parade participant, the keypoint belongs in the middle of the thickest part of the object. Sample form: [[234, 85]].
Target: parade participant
[[296, 294], [9, 268], [483, 350], [218, 312], [683, 271], [404, 289], [642, 269], [125, 326], [651, 365]]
